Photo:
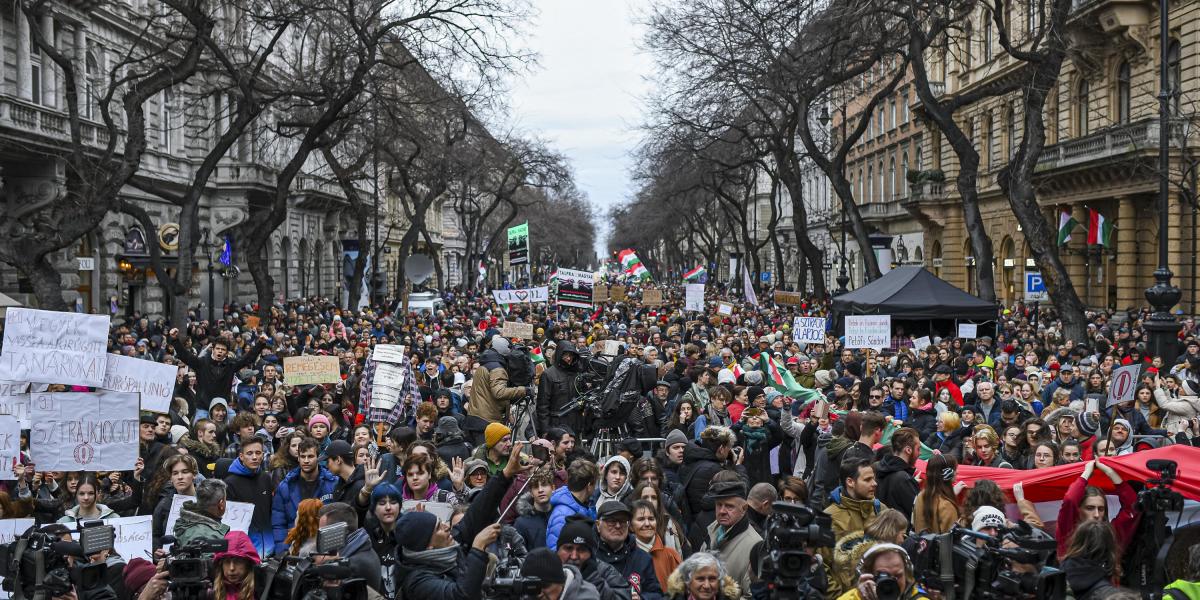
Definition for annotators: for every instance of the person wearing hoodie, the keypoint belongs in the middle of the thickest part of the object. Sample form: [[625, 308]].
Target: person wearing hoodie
[[615, 484], [451, 443], [248, 481], [236, 573], [559, 581], [1092, 560], [309, 480], [897, 486], [381, 525], [533, 508], [200, 519], [619, 548], [556, 391], [359, 551], [572, 499]]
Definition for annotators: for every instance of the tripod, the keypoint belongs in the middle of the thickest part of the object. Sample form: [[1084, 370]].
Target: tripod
[[606, 439], [521, 415]]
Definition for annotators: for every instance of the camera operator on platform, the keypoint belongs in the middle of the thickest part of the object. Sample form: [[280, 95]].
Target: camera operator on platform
[[885, 563]]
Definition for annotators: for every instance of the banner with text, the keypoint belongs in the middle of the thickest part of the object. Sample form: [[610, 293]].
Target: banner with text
[[518, 244], [783, 298], [80, 431], [537, 294], [389, 353], [14, 400], [575, 288], [54, 347], [306, 370], [868, 331], [10, 445], [809, 330], [600, 293], [693, 297], [517, 329], [154, 382], [652, 297]]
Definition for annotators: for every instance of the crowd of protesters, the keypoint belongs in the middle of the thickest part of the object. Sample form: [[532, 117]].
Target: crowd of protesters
[[677, 504]]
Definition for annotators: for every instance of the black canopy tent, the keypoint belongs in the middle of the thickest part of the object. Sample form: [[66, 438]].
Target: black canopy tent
[[915, 295]]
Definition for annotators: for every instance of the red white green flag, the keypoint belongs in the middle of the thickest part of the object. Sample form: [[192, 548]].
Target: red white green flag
[[632, 264], [1099, 229], [695, 274], [782, 380]]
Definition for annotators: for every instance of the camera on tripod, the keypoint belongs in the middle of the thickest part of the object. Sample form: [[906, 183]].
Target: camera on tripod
[[40, 561], [955, 565], [190, 567], [786, 561]]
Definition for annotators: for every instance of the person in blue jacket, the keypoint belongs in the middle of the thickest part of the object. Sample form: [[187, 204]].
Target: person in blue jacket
[[309, 480], [572, 499]]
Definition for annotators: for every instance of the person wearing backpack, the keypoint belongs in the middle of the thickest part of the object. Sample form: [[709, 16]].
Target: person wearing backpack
[[491, 392]]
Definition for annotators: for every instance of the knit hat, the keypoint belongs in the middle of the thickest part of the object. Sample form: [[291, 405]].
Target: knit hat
[[753, 377], [177, 432], [725, 376], [823, 378], [844, 382], [987, 516], [1124, 423], [494, 433], [754, 392], [500, 345], [414, 530], [676, 437], [447, 426], [137, 573], [578, 530], [545, 565], [386, 490], [318, 418], [473, 465]]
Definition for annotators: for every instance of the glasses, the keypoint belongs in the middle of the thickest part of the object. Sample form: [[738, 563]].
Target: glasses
[[876, 397]]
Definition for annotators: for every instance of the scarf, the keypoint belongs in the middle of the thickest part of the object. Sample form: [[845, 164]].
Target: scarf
[[437, 560], [646, 547], [755, 436]]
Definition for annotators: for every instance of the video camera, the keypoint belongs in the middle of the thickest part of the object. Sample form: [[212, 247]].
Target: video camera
[[1146, 561], [786, 563], [37, 565], [296, 578], [190, 567], [960, 569], [506, 582]]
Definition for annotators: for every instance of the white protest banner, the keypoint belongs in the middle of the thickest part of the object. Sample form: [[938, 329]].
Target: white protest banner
[[868, 331], [724, 308], [154, 381], [54, 347], [967, 331], [612, 347], [517, 329], [134, 535], [10, 445], [237, 514], [922, 343], [387, 384], [389, 353], [14, 400], [809, 330], [1124, 383], [80, 431], [305, 370], [693, 297], [537, 294]]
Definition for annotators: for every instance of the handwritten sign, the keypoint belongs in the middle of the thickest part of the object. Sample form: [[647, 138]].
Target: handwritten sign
[[54, 347], [237, 514], [600, 294], [783, 298], [617, 293], [387, 385], [967, 330], [10, 445], [537, 294], [305, 370], [80, 431], [611, 347], [441, 510], [389, 353], [517, 329], [868, 331], [155, 382], [724, 308], [134, 535], [652, 297], [14, 400], [922, 343], [809, 330], [693, 297]]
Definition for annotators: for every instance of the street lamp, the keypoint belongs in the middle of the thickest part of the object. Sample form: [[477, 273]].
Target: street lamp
[[208, 253], [843, 278], [1162, 328]]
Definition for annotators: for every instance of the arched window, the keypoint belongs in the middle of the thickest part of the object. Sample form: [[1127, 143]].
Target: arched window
[[862, 186], [1174, 73], [91, 96], [1082, 107], [987, 38], [968, 34], [1010, 132], [883, 192], [904, 174], [1124, 92]]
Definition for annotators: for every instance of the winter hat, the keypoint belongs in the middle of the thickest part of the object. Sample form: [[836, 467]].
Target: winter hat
[[473, 465], [753, 377], [447, 426], [500, 345], [725, 376], [578, 530], [177, 432], [844, 382], [318, 418], [824, 378], [545, 565], [676, 437], [987, 516], [494, 433], [386, 490], [414, 530], [1124, 423], [772, 393], [138, 572]]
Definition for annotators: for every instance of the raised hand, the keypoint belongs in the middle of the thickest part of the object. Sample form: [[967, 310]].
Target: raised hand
[[457, 473]]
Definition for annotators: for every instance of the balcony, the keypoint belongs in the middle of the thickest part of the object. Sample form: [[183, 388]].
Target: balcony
[[1109, 143], [882, 211], [244, 175], [25, 118]]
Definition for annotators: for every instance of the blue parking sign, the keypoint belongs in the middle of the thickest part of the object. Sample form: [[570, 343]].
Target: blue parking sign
[[1035, 287]]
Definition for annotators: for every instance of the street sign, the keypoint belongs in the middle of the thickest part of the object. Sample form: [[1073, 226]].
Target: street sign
[[1035, 287], [766, 276], [87, 263]]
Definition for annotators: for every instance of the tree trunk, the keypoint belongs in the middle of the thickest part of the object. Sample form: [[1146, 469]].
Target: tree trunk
[[46, 281], [981, 242]]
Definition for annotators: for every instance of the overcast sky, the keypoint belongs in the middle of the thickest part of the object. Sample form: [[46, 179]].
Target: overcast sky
[[585, 97]]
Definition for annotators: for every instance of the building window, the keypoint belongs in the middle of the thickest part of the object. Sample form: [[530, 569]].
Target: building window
[[870, 184], [1174, 74], [904, 175], [91, 96], [1033, 18], [166, 123], [1124, 92], [905, 113], [1010, 132], [35, 65], [894, 121], [987, 39], [1082, 107], [883, 192], [892, 177], [968, 33], [882, 119]]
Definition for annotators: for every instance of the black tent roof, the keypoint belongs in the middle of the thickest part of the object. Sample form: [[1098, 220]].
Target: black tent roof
[[913, 293]]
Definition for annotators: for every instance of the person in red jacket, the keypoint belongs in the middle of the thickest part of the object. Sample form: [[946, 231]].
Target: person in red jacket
[[1088, 503], [942, 380]]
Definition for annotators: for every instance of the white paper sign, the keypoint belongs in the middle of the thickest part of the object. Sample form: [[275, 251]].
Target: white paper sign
[[389, 353], [1124, 383], [441, 510], [967, 330], [14, 402], [922, 343], [612, 347], [724, 308], [237, 514], [537, 294], [693, 297], [809, 330], [134, 536], [155, 382], [10, 445], [868, 331], [54, 347], [389, 380], [80, 431]]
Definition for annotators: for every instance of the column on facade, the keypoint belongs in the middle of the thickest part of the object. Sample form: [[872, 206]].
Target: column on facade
[[1176, 257], [81, 50], [49, 82], [1129, 276], [24, 61]]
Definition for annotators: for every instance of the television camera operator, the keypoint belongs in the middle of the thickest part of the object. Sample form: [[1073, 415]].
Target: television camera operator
[[556, 405], [494, 387]]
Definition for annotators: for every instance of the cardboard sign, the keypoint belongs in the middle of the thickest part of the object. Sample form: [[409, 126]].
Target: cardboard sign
[[868, 331], [134, 535], [537, 294], [517, 329], [81, 431], [10, 446], [922, 343], [600, 294], [612, 347], [306, 370], [154, 382], [783, 298], [389, 353], [652, 297], [237, 514], [54, 347], [616, 293], [809, 330], [724, 308], [253, 321], [575, 288], [1124, 384], [693, 297], [967, 330]]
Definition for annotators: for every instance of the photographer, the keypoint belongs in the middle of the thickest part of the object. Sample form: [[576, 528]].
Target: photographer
[[558, 580], [556, 390], [490, 392], [885, 565]]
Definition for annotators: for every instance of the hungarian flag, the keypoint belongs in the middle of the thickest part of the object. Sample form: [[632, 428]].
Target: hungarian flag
[[737, 370], [536, 355], [1099, 229], [782, 380], [696, 274], [632, 264], [1066, 224]]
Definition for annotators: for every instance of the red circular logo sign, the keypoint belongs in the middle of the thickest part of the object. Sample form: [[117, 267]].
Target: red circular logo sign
[[84, 453]]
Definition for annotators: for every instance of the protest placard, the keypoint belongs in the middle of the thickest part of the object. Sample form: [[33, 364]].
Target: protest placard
[[389, 353], [10, 445], [387, 384], [253, 321], [529, 295], [922, 343], [54, 347], [616, 293], [809, 330], [134, 535], [724, 308], [82, 431], [967, 331], [517, 329], [783, 298], [652, 297], [154, 382], [868, 331], [600, 294], [1124, 384], [237, 514], [575, 288], [693, 297], [441, 510], [14, 400], [305, 370]]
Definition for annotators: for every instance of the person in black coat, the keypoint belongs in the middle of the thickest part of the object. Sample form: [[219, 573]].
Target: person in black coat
[[214, 373], [897, 486], [757, 436], [702, 460], [451, 443], [619, 548], [557, 389]]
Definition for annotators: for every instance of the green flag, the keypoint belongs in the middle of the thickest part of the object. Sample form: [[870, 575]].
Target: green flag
[[783, 381]]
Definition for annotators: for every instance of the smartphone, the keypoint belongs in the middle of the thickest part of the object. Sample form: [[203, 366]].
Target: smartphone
[[1092, 404]]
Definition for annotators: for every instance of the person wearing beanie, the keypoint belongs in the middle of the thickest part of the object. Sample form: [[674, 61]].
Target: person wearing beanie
[[491, 393], [577, 546], [319, 428], [496, 448], [557, 580], [449, 563], [140, 574], [451, 443]]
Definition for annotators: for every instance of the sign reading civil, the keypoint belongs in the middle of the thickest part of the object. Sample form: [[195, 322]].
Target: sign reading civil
[[537, 294]]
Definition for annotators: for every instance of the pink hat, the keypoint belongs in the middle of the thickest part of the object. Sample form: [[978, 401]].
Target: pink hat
[[240, 546], [319, 418]]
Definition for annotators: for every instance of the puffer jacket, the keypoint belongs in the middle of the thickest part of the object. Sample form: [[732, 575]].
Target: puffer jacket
[[557, 389], [490, 393], [578, 588], [287, 502], [563, 505]]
